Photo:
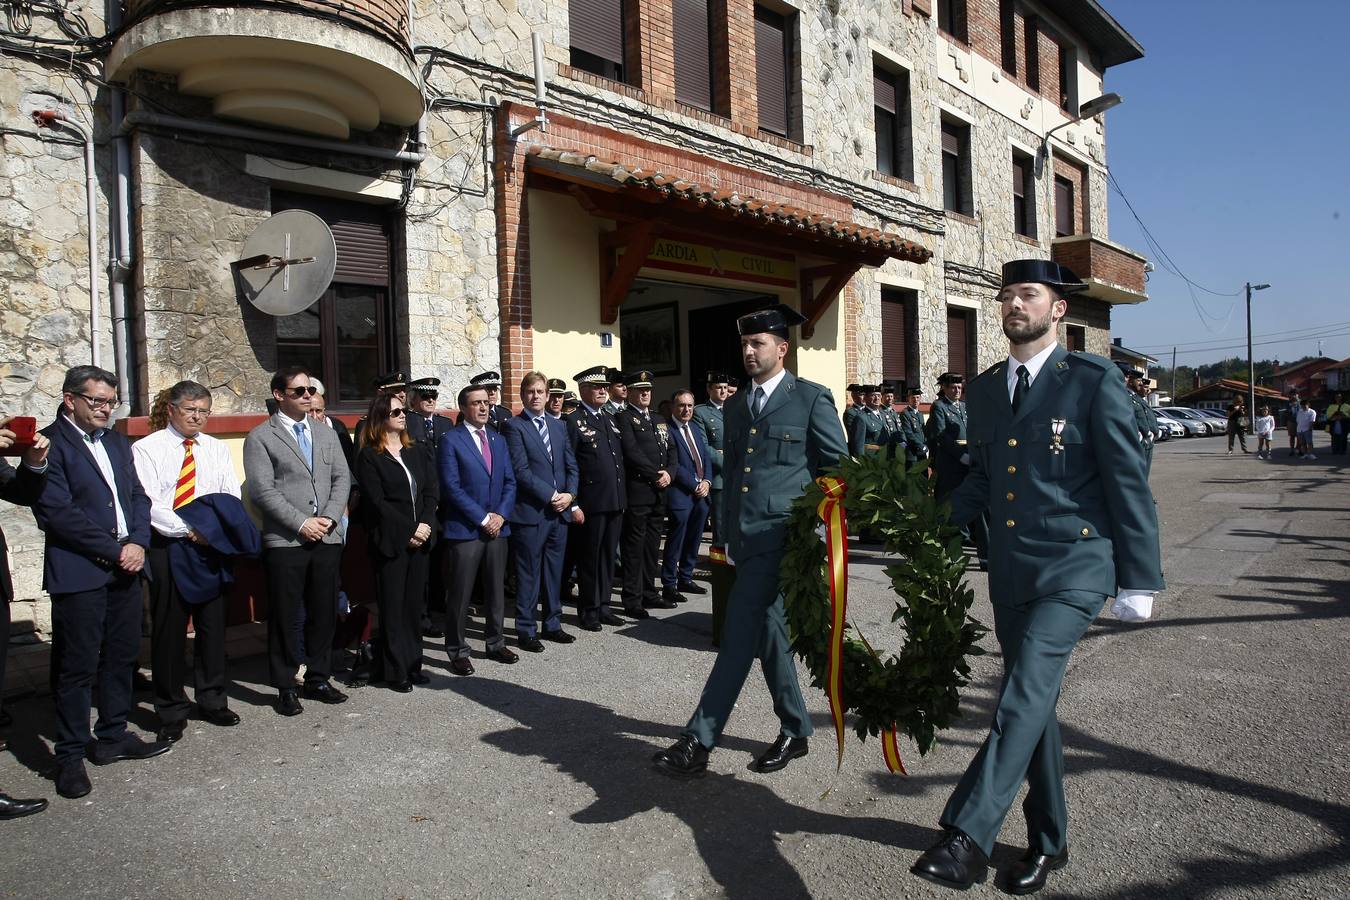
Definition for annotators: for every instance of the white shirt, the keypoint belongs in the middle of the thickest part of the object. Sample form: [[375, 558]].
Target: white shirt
[[1265, 425], [1306, 419], [1034, 366], [767, 387], [290, 427], [159, 459], [94, 444]]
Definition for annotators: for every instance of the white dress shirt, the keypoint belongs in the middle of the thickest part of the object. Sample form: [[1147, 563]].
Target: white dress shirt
[[290, 427], [767, 387], [1034, 366], [159, 460], [94, 444]]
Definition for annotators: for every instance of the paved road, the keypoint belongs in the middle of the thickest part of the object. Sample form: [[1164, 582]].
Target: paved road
[[1208, 754]]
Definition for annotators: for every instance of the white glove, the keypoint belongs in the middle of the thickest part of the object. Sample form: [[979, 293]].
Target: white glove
[[1133, 606]]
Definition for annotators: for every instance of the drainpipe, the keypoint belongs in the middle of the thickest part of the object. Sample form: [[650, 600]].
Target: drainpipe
[[140, 117], [119, 254], [49, 118]]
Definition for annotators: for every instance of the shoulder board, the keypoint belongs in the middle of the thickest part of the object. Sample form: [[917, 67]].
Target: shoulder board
[[803, 384], [1079, 357]]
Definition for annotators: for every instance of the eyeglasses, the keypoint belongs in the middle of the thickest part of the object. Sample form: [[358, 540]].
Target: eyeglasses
[[298, 392], [194, 412], [97, 402], [397, 413], [428, 395]]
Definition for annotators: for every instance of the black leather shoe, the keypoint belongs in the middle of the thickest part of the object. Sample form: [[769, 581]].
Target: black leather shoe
[[611, 619], [324, 692], [691, 587], [782, 751], [223, 717], [503, 655], [685, 758], [129, 747], [953, 862], [1027, 875], [72, 781], [530, 644], [403, 687], [461, 666], [170, 732], [14, 808], [558, 637], [640, 613], [288, 703], [7, 720], [433, 631], [590, 626], [670, 598], [420, 678]]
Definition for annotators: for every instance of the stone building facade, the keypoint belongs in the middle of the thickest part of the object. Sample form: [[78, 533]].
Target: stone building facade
[[480, 228]]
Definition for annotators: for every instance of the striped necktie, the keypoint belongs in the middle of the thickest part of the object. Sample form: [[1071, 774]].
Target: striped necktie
[[543, 434], [187, 478]]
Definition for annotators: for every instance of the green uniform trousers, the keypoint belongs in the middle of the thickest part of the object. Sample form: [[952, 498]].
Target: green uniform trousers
[[756, 626], [1024, 741]]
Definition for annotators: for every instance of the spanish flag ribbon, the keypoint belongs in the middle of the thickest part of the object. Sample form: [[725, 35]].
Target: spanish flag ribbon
[[831, 512]]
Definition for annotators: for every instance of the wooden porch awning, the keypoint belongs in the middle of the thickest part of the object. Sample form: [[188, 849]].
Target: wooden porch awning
[[649, 205]]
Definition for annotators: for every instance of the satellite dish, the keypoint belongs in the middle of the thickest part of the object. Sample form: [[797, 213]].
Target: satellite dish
[[288, 263]]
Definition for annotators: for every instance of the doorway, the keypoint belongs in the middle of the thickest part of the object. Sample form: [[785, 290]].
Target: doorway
[[680, 332]]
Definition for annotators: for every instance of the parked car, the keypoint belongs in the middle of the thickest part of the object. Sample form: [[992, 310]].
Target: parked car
[[1170, 428], [1217, 415], [1191, 417], [1186, 427]]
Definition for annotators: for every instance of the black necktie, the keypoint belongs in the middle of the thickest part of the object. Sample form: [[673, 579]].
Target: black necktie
[[1023, 385]]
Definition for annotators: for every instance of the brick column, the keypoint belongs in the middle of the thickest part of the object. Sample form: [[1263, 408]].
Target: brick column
[[652, 30], [513, 252], [733, 50]]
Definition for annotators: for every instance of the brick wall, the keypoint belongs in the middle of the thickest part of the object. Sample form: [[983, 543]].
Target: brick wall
[[1093, 258], [733, 49]]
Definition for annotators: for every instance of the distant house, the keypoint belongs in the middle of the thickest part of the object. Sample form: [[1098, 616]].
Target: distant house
[[1333, 379], [1221, 394], [1299, 376], [1120, 354]]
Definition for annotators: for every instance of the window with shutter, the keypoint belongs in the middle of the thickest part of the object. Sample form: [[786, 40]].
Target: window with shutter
[[891, 122], [952, 18], [1075, 338], [345, 338], [596, 36], [897, 334], [772, 67], [1063, 206], [959, 335], [1033, 51], [693, 53], [1007, 36], [956, 193], [1024, 195]]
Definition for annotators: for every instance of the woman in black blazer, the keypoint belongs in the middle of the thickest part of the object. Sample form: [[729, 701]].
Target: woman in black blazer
[[398, 499]]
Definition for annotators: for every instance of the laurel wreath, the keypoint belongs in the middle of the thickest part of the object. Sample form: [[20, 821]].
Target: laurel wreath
[[918, 690]]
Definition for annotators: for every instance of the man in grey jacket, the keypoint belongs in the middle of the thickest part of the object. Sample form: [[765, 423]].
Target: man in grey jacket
[[297, 478]]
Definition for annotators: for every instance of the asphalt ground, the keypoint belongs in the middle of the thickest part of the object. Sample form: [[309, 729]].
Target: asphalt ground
[[1208, 753]]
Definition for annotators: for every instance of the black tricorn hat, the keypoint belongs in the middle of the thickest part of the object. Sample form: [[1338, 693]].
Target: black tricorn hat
[[614, 376], [717, 378], [915, 390], [887, 387], [952, 377], [775, 319], [854, 388], [1042, 271]]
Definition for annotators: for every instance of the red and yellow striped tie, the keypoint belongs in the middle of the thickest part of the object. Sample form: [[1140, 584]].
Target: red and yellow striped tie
[[187, 478]]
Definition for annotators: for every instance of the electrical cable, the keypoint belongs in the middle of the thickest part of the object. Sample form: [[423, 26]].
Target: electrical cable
[[1309, 331]]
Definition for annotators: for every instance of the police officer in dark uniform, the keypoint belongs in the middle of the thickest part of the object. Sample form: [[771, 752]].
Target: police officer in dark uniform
[[557, 395], [648, 460], [857, 396], [890, 416], [709, 417], [1145, 419], [618, 391], [598, 513], [948, 449], [427, 428], [868, 436], [492, 382], [911, 429]]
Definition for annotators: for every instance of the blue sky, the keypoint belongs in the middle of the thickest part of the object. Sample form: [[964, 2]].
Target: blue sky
[[1233, 146]]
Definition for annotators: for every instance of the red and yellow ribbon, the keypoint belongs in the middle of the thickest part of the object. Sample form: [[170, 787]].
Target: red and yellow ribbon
[[831, 512]]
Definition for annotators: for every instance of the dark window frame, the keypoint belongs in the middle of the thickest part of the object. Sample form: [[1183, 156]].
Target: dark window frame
[[1032, 47], [592, 57], [899, 363], [1007, 35], [952, 19], [687, 91], [1068, 85], [1065, 220], [892, 125], [967, 359], [767, 20], [957, 194], [1075, 337], [1024, 194]]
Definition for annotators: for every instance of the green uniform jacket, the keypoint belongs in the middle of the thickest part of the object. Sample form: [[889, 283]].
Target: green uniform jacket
[[867, 429], [911, 433], [947, 443], [709, 418], [850, 413], [1080, 519], [766, 468], [1146, 422]]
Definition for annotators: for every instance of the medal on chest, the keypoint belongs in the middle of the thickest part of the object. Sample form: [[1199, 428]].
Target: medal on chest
[[1056, 432]]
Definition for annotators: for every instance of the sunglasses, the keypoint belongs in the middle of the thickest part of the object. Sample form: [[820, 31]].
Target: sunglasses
[[428, 395], [298, 392], [397, 413]]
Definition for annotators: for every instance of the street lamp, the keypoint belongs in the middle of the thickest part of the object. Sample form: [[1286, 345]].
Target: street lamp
[[1086, 110], [1251, 367]]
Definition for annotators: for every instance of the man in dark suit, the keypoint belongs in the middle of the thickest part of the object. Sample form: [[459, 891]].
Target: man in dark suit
[[1054, 456], [299, 482], [479, 488], [948, 447], [708, 419], [97, 524], [427, 428], [21, 487], [687, 501], [911, 429], [648, 459], [546, 490], [600, 497], [780, 435]]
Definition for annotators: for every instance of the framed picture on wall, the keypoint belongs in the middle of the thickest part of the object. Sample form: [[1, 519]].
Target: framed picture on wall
[[650, 339]]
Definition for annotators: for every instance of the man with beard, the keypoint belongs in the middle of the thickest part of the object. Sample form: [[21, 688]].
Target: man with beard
[[782, 434], [1055, 458]]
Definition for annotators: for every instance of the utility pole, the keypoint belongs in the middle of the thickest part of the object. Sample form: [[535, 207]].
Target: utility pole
[[1174, 375], [1251, 367]]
